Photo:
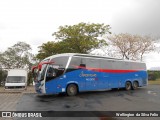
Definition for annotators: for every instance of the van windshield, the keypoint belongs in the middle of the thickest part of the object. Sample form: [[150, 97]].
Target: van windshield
[[15, 79]]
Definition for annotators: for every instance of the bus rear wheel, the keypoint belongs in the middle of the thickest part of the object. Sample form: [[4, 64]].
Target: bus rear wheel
[[72, 90], [128, 85], [135, 85]]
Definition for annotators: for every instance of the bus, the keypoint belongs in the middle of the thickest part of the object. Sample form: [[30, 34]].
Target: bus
[[72, 73]]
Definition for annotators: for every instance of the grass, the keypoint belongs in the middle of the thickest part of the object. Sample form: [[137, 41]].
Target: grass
[[154, 82]]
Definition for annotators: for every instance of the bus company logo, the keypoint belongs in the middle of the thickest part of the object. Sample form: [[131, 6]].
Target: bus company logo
[[6, 114], [87, 75]]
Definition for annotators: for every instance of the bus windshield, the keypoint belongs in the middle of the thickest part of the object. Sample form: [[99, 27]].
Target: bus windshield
[[41, 74], [51, 68]]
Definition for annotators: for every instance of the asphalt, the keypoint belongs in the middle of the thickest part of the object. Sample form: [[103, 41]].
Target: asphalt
[[142, 99]]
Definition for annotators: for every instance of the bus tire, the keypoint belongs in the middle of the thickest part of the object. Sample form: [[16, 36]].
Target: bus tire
[[135, 85], [128, 85], [72, 90]]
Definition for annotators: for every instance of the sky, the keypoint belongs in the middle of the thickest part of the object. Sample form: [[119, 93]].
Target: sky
[[34, 21]]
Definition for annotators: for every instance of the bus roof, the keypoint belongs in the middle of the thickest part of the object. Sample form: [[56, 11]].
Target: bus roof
[[87, 55], [84, 55], [81, 55], [91, 56], [96, 56]]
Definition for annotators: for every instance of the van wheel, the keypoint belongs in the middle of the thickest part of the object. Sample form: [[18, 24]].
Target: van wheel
[[71, 90], [135, 85], [128, 85]]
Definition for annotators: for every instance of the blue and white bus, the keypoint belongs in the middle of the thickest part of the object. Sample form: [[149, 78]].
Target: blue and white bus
[[72, 73]]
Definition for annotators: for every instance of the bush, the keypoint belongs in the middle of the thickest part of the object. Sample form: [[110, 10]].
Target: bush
[[153, 75]]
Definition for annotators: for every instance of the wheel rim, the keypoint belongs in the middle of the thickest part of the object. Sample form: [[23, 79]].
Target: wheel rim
[[72, 90], [135, 85], [128, 86]]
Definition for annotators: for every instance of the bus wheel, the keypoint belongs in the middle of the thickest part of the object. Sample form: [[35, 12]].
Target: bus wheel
[[135, 85], [128, 85], [71, 90]]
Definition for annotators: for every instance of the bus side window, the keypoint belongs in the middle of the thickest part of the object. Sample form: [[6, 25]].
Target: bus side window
[[93, 63]]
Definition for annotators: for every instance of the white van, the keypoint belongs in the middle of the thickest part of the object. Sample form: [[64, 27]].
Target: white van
[[17, 78]]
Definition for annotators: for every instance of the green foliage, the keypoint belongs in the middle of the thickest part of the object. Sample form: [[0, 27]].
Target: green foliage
[[80, 38], [17, 56], [30, 78], [153, 75], [49, 48]]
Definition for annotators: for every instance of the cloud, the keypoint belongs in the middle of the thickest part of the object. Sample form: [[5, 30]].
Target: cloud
[[141, 18], [34, 21]]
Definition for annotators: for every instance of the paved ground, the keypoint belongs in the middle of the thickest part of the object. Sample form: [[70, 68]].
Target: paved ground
[[146, 98], [143, 99], [9, 99]]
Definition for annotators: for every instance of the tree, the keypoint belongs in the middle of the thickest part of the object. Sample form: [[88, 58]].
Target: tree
[[83, 37], [3, 75], [30, 78], [17, 56], [146, 45], [79, 38], [132, 46], [50, 48]]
